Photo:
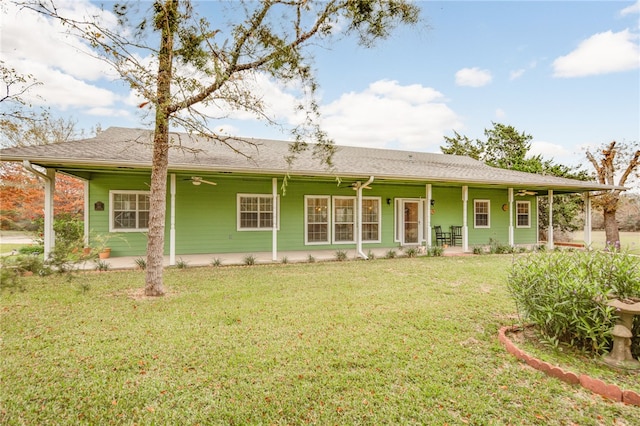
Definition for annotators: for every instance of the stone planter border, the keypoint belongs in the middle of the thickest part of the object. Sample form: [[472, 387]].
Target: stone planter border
[[594, 385]]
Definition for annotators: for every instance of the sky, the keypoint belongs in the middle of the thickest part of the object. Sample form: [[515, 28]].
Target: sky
[[565, 72]]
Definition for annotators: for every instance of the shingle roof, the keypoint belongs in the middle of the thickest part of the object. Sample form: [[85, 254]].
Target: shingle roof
[[124, 147]]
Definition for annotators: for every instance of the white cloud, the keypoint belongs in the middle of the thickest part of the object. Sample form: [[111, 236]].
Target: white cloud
[[602, 53], [629, 10], [513, 75], [550, 150], [473, 77], [500, 113], [388, 115], [40, 47]]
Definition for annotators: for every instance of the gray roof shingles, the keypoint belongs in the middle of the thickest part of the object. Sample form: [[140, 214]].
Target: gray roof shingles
[[124, 147]]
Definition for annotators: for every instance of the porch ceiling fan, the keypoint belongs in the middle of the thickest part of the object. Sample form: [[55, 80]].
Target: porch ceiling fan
[[523, 192], [197, 180], [358, 184]]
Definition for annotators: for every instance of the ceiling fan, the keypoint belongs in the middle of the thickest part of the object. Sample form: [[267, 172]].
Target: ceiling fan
[[523, 192], [197, 180], [358, 184]]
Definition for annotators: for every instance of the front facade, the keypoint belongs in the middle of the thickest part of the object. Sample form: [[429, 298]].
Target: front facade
[[220, 202]]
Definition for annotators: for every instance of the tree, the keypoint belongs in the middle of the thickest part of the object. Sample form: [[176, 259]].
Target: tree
[[22, 198], [201, 65], [507, 148], [612, 160]]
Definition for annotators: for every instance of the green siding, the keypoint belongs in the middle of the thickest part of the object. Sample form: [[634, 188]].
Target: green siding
[[206, 216]]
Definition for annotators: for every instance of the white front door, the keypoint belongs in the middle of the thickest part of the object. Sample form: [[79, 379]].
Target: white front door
[[411, 222]]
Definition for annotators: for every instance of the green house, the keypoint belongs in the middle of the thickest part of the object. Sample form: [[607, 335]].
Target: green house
[[242, 196]]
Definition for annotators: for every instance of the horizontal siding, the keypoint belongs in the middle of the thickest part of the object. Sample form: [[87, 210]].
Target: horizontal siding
[[206, 216]]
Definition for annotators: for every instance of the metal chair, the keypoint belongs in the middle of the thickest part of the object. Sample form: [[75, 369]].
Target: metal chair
[[442, 237], [456, 235]]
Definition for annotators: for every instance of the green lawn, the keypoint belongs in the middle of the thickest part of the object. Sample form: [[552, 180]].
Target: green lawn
[[402, 341], [628, 240]]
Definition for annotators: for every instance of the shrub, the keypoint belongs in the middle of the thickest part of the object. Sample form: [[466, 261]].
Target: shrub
[[478, 250], [564, 294], [390, 254], [141, 262], [311, 259], [411, 252], [435, 251], [249, 260], [216, 262], [102, 265], [182, 264], [341, 255], [34, 250]]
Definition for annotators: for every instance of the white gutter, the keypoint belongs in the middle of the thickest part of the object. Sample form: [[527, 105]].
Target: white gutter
[[49, 189], [359, 219], [274, 229]]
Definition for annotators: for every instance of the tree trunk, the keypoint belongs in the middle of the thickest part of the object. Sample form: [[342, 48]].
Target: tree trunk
[[611, 226], [166, 22]]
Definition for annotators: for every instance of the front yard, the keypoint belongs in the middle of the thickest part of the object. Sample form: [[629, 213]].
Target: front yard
[[399, 341]]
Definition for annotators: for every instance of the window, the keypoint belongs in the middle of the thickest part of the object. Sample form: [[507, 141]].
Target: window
[[255, 212], [316, 219], [343, 219], [481, 209], [129, 211], [523, 216], [371, 219], [340, 226]]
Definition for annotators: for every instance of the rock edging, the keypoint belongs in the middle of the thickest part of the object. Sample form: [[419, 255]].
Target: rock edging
[[594, 385]]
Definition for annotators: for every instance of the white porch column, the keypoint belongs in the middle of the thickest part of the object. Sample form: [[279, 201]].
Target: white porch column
[[550, 227], [427, 214], [465, 227], [274, 231], [49, 191], [587, 220], [49, 178], [511, 237], [85, 190], [172, 221]]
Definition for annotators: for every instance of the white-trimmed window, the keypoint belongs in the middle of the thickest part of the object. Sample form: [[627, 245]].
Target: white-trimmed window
[[129, 211], [255, 212], [523, 214], [344, 216], [316, 219], [481, 214], [371, 219]]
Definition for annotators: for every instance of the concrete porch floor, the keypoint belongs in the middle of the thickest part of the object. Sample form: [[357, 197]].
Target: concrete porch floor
[[226, 259]]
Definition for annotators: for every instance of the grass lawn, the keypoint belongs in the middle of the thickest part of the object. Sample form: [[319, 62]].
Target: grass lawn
[[402, 341], [628, 240]]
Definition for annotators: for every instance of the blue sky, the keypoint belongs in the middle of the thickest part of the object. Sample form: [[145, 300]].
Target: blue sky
[[568, 73]]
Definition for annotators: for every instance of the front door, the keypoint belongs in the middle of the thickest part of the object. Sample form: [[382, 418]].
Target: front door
[[411, 222]]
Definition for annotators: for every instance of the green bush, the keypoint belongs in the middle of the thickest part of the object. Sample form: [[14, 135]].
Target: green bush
[[564, 294]]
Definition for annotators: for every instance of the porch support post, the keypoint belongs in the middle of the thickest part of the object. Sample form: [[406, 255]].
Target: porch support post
[[172, 229], [550, 227], [511, 237], [427, 213], [85, 190], [49, 178], [274, 231], [587, 220], [465, 227]]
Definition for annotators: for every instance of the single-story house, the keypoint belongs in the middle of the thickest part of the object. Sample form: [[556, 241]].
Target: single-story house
[[221, 202]]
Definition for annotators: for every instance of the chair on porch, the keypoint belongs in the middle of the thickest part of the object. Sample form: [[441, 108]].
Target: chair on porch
[[456, 235], [442, 237]]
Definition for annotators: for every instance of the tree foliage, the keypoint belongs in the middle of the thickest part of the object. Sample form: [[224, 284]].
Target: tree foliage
[[507, 148], [616, 165], [202, 68]]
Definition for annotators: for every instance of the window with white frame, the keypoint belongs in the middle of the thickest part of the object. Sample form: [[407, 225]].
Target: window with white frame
[[481, 216], [523, 214], [255, 212], [129, 211], [316, 219], [371, 219], [344, 219]]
